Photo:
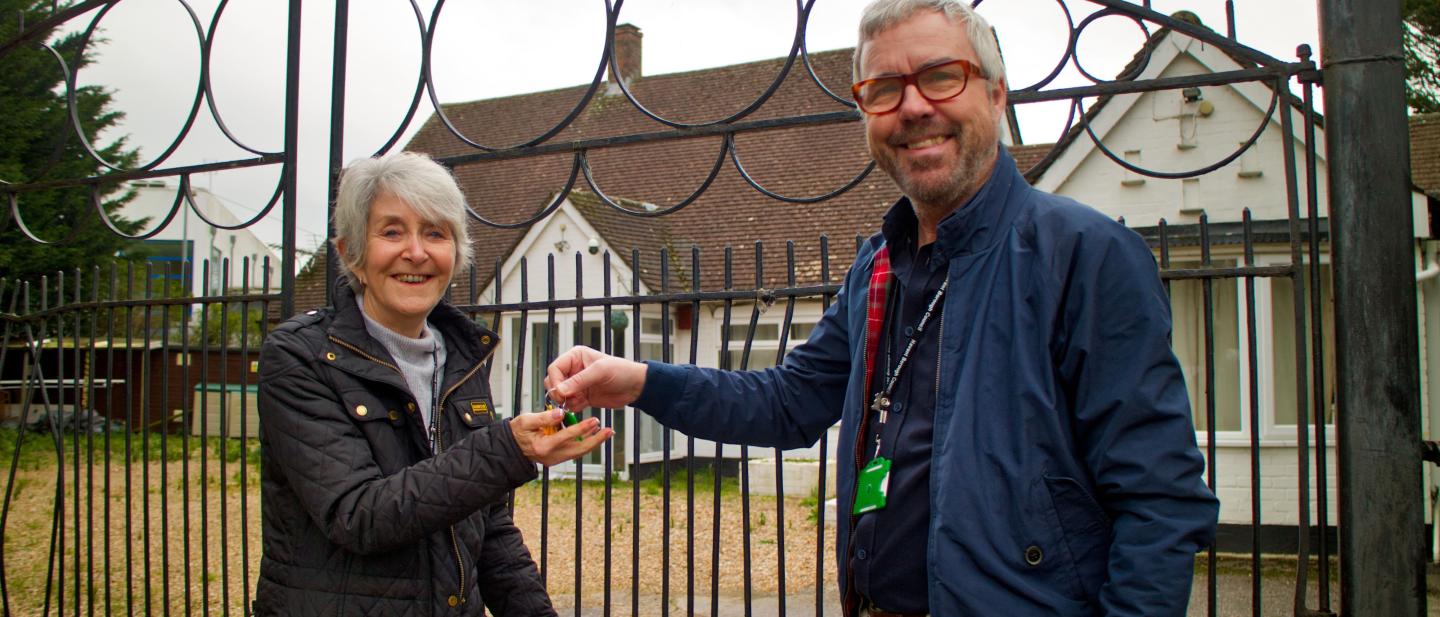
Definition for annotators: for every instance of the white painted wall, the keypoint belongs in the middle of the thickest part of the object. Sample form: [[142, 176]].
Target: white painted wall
[[1164, 132], [155, 199]]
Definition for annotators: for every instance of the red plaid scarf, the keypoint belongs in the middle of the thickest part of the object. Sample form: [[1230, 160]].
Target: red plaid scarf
[[875, 312]]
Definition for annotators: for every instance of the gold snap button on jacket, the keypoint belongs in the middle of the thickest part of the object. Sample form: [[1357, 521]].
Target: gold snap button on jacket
[[360, 410], [394, 415], [330, 355]]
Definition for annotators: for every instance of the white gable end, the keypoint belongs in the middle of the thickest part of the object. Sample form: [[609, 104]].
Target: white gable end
[[1168, 131]]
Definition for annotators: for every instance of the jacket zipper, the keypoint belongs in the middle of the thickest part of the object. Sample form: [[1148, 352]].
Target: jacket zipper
[[439, 433], [440, 447]]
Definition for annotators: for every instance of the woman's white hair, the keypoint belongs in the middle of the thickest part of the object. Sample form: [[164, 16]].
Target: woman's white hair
[[881, 15], [414, 178]]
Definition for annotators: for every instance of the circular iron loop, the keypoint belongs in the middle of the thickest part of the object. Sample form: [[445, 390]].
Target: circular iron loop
[[1127, 75], [59, 143], [801, 16], [205, 57], [274, 199], [810, 68], [1264, 121], [429, 79], [714, 171], [1064, 57], [735, 160], [415, 98], [180, 194], [70, 88], [554, 204]]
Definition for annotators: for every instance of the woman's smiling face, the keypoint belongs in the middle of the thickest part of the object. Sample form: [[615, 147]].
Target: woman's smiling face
[[408, 265]]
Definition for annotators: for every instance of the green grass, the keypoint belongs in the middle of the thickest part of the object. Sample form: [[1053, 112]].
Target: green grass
[[38, 449]]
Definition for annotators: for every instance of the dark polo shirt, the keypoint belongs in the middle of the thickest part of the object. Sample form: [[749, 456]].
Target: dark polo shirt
[[888, 553]]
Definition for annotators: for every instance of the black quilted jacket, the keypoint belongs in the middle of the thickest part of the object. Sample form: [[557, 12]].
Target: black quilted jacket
[[358, 517]]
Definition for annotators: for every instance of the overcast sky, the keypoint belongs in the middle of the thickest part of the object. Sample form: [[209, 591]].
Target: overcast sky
[[491, 49]]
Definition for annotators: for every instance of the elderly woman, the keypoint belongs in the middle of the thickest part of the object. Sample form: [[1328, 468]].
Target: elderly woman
[[385, 471]]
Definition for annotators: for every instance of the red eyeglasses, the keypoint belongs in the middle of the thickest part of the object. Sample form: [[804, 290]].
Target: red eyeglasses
[[941, 82]]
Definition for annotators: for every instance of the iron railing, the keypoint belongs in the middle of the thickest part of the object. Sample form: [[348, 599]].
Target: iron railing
[[125, 536]]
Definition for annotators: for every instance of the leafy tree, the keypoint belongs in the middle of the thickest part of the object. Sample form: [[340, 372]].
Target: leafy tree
[[38, 143], [1422, 55]]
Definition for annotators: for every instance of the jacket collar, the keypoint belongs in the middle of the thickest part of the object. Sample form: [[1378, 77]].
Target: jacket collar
[[975, 226], [465, 341]]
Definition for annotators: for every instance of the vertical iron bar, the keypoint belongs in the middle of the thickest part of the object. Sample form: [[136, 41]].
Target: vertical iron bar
[[164, 422], [93, 415], [725, 364], [1230, 19], [1302, 392], [824, 445], [77, 406], [1317, 323], [576, 339], [780, 351], [290, 205], [690, 445], [549, 343], [634, 428], [145, 405], [516, 399], [1207, 286], [609, 446], [337, 138], [1248, 244], [109, 419], [135, 387], [666, 357], [1376, 348], [744, 449], [187, 408]]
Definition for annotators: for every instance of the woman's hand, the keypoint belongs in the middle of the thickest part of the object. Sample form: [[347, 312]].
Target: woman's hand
[[539, 441]]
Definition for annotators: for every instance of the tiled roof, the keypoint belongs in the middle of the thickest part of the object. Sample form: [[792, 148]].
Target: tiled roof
[[803, 161], [1425, 152], [798, 162]]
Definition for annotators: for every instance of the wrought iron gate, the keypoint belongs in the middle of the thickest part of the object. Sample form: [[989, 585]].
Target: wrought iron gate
[[123, 382]]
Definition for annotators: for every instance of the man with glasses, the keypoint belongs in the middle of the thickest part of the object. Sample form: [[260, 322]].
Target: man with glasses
[[1015, 431]]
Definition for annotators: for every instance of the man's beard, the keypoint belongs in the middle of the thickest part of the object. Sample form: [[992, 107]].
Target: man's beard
[[968, 172]]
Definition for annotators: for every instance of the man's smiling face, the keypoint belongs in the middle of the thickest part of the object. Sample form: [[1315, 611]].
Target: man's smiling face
[[938, 153]]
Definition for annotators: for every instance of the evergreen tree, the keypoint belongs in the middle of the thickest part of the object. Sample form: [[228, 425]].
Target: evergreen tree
[[1422, 54], [38, 143]]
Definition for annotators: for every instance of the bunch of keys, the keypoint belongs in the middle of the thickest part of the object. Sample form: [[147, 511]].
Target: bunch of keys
[[569, 420]]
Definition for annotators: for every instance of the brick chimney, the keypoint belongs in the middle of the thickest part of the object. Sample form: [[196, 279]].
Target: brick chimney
[[627, 56]]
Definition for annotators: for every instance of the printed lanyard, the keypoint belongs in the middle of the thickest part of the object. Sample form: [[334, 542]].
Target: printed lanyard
[[434, 398], [881, 403]]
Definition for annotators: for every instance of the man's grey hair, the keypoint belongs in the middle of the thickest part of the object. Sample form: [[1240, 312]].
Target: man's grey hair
[[414, 178], [881, 15]]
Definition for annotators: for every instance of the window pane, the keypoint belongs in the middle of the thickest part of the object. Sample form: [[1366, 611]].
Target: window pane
[[652, 325], [1187, 301], [1282, 316], [759, 359], [763, 332], [801, 331]]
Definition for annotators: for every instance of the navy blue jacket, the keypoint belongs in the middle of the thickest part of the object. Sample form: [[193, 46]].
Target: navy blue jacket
[[1065, 479]]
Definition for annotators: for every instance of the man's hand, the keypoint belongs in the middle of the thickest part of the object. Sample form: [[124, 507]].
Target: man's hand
[[573, 441], [583, 377]]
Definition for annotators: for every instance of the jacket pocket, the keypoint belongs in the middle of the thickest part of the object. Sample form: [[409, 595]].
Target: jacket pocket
[[384, 425], [1086, 529]]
